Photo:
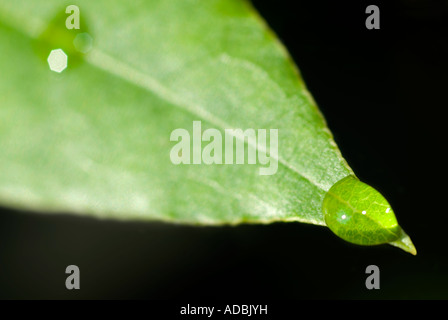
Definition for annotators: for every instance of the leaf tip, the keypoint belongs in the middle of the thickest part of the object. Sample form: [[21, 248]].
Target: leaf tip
[[404, 242]]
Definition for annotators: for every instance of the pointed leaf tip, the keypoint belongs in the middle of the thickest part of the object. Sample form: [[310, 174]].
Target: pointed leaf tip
[[404, 243]]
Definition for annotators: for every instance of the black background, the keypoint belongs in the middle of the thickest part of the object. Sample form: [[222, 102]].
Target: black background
[[382, 93]]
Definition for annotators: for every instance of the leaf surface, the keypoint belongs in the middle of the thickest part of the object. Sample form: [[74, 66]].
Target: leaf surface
[[95, 139]]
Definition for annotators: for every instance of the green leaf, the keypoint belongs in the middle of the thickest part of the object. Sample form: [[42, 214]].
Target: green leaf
[[95, 139]]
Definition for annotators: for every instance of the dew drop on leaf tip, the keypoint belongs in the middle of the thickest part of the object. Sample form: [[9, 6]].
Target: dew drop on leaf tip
[[359, 214]]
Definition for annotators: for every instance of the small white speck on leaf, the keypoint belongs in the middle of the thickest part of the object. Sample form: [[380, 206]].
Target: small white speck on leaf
[[57, 60]]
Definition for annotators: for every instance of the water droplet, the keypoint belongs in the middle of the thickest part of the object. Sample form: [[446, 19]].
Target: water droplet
[[387, 210], [344, 213], [57, 60]]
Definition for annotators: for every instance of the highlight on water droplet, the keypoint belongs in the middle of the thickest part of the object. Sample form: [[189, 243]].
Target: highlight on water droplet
[[83, 42], [57, 60]]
